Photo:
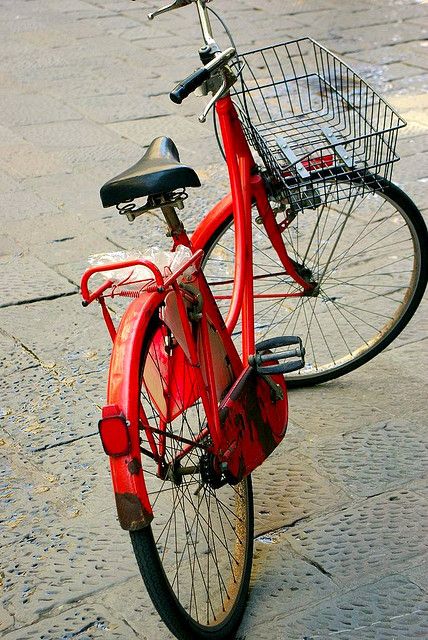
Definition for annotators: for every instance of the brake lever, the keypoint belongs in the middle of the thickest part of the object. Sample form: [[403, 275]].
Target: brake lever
[[177, 4], [228, 79], [211, 103]]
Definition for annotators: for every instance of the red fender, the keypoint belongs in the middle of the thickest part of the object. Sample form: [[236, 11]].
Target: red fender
[[132, 502], [119, 427]]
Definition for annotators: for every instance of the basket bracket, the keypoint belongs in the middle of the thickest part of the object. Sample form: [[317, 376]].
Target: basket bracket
[[337, 147], [289, 155]]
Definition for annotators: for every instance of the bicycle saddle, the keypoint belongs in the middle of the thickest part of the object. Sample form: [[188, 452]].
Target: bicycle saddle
[[158, 171]]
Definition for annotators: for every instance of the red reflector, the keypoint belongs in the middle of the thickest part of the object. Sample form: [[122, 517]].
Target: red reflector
[[114, 434]]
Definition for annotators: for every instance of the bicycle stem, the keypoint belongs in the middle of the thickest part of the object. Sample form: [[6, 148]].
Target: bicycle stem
[[205, 23]]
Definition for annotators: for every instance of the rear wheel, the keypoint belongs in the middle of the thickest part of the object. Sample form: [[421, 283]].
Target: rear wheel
[[196, 556], [368, 257]]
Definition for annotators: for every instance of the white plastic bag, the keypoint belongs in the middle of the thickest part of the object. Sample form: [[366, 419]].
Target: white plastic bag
[[166, 261]]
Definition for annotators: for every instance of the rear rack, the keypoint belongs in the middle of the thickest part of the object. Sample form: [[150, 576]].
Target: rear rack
[[111, 288]]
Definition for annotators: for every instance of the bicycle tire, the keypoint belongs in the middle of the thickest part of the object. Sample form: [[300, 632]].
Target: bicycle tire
[[196, 556], [383, 223]]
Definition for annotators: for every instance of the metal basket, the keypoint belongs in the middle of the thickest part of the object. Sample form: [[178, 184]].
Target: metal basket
[[317, 126]]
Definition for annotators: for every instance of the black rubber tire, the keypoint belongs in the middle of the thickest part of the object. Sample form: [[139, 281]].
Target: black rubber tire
[[170, 610], [407, 209], [158, 584]]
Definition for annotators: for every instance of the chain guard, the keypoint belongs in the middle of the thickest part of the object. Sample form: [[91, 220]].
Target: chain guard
[[253, 421]]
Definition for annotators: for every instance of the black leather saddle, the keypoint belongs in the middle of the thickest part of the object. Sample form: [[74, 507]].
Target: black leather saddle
[[158, 171]]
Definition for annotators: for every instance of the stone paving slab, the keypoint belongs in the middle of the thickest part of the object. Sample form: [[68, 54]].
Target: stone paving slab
[[102, 161], [282, 581], [384, 391], [7, 183], [419, 574], [78, 341], [412, 53], [81, 469], [30, 161], [29, 109], [39, 410], [388, 530], [135, 608], [367, 462], [389, 609], [13, 357], [76, 560], [71, 133], [28, 279], [93, 622], [121, 107], [24, 203], [28, 494], [70, 243], [289, 488], [66, 191]]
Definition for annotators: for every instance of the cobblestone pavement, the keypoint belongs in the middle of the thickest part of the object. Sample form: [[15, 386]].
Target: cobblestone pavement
[[83, 87]]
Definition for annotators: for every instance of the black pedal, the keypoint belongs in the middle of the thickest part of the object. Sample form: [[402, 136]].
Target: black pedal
[[265, 353]]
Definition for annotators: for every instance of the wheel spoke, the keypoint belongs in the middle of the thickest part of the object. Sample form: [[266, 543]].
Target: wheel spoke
[[203, 535], [367, 256]]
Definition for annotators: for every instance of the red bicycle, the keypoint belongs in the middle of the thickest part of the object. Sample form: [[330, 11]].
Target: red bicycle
[[313, 241]]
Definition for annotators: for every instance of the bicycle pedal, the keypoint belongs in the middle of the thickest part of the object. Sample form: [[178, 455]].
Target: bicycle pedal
[[265, 353]]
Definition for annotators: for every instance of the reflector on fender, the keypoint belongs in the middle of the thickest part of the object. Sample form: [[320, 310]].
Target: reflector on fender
[[114, 432]]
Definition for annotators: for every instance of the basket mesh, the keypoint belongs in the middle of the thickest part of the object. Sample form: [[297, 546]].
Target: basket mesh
[[316, 125]]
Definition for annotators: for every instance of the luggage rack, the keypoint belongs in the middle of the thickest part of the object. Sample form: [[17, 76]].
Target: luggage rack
[[130, 287], [318, 127]]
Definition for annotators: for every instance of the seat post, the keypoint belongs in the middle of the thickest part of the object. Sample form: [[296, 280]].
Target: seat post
[[175, 226]]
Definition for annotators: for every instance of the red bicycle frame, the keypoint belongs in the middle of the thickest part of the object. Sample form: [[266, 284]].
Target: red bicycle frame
[[247, 187], [121, 417]]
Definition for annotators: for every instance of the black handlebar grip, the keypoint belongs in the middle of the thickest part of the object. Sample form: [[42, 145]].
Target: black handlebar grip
[[187, 86]]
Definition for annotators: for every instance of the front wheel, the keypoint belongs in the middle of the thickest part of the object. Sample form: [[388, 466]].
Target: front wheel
[[196, 556], [368, 257]]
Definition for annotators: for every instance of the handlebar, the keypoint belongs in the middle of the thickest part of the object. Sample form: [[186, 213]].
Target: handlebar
[[216, 56], [177, 4], [202, 11], [189, 84], [192, 82]]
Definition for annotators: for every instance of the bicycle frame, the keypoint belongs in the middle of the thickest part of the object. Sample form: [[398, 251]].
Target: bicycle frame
[[121, 417], [247, 187]]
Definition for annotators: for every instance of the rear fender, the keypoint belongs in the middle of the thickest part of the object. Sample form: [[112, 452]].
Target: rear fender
[[132, 501], [123, 407]]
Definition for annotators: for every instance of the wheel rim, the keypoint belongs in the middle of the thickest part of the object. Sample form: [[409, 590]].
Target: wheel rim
[[365, 256], [203, 535]]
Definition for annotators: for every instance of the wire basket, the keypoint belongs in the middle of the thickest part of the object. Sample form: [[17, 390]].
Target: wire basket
[[317, 126]]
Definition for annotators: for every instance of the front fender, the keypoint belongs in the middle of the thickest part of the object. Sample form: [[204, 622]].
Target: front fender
[[132, 502]]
